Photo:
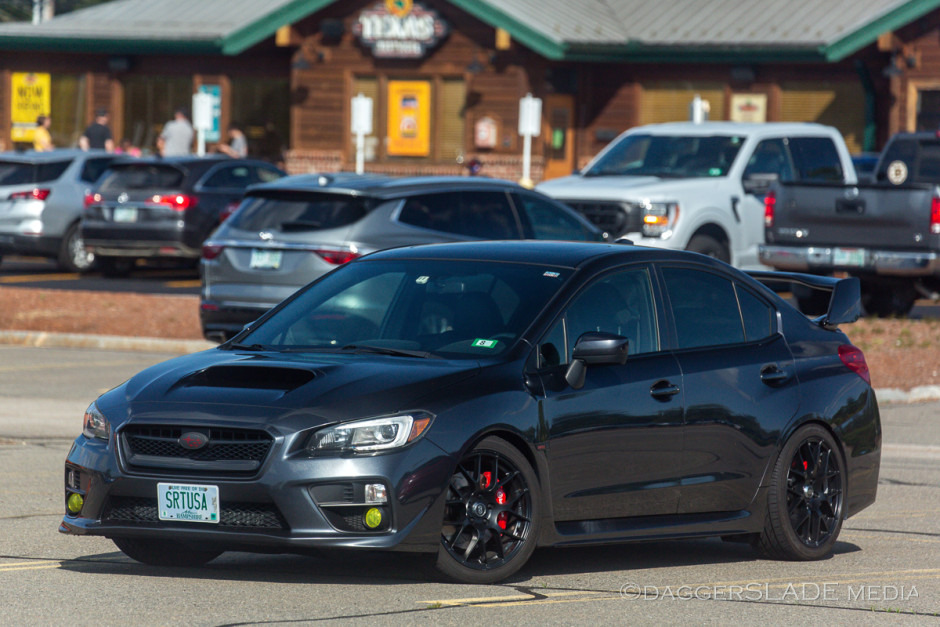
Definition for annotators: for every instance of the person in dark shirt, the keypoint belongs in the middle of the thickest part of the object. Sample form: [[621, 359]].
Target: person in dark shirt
[[97, 136]]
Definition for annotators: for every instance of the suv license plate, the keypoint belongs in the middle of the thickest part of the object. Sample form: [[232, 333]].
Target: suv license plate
[[848, 257], [194, 503], [125, 214], [262, 259]]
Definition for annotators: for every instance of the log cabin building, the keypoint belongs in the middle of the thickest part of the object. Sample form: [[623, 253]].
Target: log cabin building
[[446, 76]]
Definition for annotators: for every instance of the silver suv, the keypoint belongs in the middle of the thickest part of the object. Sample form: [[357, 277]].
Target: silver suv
[[41, 199], [290, 232]]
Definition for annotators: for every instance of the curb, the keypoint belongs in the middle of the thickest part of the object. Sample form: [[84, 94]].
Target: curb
[[103, 342], [159, 345]]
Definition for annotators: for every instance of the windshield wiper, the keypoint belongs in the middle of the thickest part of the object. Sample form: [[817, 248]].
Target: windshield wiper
[[248, 347], [385, 350]]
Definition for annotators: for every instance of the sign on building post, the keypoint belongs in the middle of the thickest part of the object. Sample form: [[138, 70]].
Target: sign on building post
[[30, 98], [530, 125], [202, 119], [214, 134], [361, 126]]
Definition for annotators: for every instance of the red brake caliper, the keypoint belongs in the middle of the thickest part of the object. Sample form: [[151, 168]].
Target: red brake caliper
[[501, 500]]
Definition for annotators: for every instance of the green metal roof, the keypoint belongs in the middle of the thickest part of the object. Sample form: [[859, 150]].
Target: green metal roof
[[582, 30]]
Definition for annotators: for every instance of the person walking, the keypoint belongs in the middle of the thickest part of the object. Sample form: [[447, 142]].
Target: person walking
[[42, 138], [238, 145], [97, 136], [176, 140]]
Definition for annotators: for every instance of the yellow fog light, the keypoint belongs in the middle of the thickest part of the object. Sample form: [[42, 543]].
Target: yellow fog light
[[373, 517], [75, 503]]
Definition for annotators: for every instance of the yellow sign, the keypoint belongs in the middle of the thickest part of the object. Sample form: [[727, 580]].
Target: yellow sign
[[30, 98], [398, 8], [409, 118]]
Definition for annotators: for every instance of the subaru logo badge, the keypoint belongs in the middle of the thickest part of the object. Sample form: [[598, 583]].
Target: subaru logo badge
[[193, 440]]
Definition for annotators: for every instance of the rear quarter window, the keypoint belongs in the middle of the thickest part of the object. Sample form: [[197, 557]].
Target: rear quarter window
[[485, 215], [12, 173], [141, 176]]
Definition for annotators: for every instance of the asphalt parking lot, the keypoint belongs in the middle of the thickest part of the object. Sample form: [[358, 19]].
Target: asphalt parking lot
[[886, 567], [35, 272]]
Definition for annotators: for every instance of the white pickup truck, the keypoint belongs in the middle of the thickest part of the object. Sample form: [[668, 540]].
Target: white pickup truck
[[700, 187]]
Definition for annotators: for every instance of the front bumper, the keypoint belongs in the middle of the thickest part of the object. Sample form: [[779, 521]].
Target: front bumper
[[850, 259], [277, 510]]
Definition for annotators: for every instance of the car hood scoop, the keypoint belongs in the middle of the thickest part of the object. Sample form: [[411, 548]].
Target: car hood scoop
[[249, 376]]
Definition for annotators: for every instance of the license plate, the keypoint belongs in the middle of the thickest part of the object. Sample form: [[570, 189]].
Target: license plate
[[848, 257], [125, 214], [266, 259], [193, 503]]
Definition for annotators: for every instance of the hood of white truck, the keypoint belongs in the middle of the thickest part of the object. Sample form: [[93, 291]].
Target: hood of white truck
[[579, 187]]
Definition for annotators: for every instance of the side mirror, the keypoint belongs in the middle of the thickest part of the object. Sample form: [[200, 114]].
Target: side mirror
[[759, 183], [595, 349]]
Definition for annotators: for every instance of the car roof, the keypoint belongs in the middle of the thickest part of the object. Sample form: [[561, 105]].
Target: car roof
[[732, 128], [380, 186], [49, 156], [547, 252]]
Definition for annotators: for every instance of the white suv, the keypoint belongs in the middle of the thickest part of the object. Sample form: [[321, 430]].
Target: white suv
[[700, 187]]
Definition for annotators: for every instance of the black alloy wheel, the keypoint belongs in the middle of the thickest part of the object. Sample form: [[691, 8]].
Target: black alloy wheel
[[490, 514], [805, 503]]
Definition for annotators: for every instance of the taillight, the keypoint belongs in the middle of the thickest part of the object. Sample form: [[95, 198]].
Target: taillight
[[177, 202], [91, 199], [935, 215], [211, 250], [337, 257], [854, 360], [770, 205], [34, 194]]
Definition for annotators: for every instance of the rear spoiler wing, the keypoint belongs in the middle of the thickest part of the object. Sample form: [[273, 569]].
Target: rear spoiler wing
[[845, 301]]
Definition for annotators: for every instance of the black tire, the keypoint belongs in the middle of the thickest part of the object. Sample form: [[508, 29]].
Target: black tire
[[164, 553], [888, 299], [708, 245], [114, 267], [805, 501], [72, 254], [491, 515]]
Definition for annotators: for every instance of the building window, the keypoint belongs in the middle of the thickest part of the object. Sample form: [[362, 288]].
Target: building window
[[67, 92], [149, 103], [261, 106]]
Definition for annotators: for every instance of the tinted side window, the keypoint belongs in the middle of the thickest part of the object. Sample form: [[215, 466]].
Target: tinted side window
[[704, 308], [816, 159], [486, 215], [93, 168], [266, 175], [770, 157], [620, 303], [548, 221], [237, 177], [757, 315], [51, 171]]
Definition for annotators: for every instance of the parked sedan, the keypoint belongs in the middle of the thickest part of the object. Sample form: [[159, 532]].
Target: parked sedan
[[478, 400], [41, 198], [292, 231], [164, 208]]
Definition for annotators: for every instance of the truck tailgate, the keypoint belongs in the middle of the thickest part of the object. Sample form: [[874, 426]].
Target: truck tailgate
[[874, 215]]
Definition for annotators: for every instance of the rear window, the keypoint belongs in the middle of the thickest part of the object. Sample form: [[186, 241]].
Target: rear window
[[12, 173], [922, 158], [141, 176], [816, 159], [297, 212]]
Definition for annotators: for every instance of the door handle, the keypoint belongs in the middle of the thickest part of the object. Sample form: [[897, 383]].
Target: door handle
[[663, 390], [772, 374]]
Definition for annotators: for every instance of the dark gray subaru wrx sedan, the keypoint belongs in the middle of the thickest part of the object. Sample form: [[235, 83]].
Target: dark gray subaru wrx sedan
[[478, 400]]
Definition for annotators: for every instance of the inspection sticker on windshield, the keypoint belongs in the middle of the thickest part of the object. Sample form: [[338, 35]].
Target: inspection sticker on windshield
[[421, 280], [193, 503], [478, 343], [552, 275]]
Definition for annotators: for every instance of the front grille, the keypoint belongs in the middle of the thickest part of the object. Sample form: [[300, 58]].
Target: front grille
[[123, 509], [615, 218], [237, 451]]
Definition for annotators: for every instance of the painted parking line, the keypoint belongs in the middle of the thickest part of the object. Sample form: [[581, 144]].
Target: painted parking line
[[34, 565], [38, 278]]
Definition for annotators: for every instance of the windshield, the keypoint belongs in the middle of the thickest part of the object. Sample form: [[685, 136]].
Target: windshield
[[415, 308], [669, 156]]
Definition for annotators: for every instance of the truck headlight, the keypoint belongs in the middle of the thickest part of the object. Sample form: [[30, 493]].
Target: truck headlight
[[373, 434], [659, 218], [95, 425]]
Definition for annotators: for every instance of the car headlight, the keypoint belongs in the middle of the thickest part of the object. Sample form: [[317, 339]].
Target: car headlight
[[659, 218], [95, 424], [374, 434]]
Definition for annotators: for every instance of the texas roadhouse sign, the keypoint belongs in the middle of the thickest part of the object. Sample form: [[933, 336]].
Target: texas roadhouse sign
[[400, 29]]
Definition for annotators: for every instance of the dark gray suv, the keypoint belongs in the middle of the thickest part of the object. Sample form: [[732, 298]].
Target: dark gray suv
[[290, 232]]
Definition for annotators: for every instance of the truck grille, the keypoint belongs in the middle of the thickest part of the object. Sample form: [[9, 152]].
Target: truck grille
[[124, 509], [238, 451], [616, 218]]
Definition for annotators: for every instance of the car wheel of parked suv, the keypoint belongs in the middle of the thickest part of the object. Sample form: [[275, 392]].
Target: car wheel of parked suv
[[708, 245], [491, 514], [164, 553], [805, 502], [72, 254]]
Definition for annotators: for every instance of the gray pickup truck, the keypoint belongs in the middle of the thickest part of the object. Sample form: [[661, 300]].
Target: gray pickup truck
[[886, 232]]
